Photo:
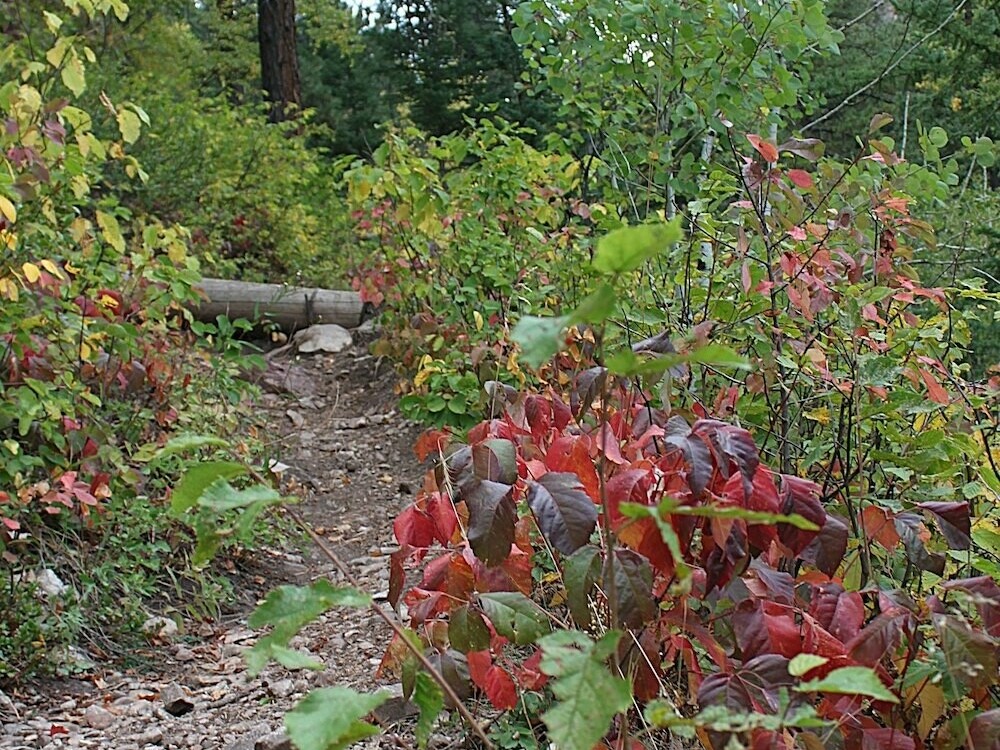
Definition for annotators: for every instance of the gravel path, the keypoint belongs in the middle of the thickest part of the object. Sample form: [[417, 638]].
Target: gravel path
[[349, 456]]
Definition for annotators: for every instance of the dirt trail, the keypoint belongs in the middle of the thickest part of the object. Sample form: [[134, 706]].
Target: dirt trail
[[349, 457]]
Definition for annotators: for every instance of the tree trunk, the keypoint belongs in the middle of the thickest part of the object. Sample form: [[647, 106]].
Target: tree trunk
[[279, 64]]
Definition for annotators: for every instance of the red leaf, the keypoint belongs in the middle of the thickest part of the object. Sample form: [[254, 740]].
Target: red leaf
[[442, 513], [414, 527], [431, 442], [764, 627], [800, 178], [767, 150], [500, 688], [886, 739], [745, 277], [935, 391], [572, 453], [479, 666], [530, 675]]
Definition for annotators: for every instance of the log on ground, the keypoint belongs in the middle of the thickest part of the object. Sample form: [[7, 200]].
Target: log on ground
[[288, 307]]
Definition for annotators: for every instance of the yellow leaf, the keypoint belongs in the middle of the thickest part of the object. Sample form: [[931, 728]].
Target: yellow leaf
[[52, 21], [8, 210], [821, 415], [8, 289], [129, 125], [176, 252], [52, 268], [73, 75], [111, 231], [479, 319], [31, 272]]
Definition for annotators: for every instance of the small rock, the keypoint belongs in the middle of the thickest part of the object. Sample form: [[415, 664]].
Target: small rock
[[151, 736], [175, 701], [160, 627], [274, 741], [184, 654], [97, 717], [282, 688], [297, 419], [140, 708]]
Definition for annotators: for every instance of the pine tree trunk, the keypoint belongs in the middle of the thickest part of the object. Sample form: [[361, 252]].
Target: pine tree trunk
[[279, 63]]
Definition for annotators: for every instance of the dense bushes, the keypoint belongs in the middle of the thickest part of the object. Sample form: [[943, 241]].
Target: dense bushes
[[95, 362]]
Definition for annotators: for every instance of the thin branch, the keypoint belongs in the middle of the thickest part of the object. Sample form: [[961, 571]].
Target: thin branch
[[888, 69]]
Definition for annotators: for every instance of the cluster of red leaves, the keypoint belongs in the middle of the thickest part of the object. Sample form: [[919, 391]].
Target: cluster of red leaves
[[702, 572]]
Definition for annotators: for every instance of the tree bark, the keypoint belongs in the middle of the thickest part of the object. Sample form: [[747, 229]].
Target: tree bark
[[279, 64], [290, 308]]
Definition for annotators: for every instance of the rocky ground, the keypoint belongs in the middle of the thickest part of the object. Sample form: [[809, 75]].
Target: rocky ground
[[349, 455]]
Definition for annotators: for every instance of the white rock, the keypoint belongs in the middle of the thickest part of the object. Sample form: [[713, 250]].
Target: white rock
[[326, 337]]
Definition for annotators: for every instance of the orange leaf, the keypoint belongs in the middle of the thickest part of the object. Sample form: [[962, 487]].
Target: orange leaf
[[800, 178], [767, 150], [934, 389]]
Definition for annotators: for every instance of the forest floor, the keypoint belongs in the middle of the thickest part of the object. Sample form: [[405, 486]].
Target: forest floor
[[349, 456]]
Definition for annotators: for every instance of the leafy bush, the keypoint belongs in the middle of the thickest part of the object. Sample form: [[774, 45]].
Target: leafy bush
[[619, 547], [95, 360]]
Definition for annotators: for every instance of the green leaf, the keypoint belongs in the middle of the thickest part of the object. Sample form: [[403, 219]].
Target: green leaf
[[588, 696], [187, 443], [129, 125], [515, 616], [467, 631], [288, 608], [189, 489], [628, 248], [330, 718], [221, 496], [539, 338], [581, 572], [850, 681], [716, 355], [267, 649], [73, 75], [750, 516], [800, 664], [429, 698], [596, 307]]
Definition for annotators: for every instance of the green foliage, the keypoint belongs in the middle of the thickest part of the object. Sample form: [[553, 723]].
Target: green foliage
[[331, 718], [588, 695]]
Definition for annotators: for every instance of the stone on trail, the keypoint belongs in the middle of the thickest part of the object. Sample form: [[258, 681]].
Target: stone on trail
[[175, 700], [98, 718], [325, 337]]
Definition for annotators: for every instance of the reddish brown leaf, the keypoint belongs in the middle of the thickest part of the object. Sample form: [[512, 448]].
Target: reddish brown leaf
[[631, 579], [970, 655], [802, 497], [914, 534], [953, 520], [878, 526], [530, 675], [768, 151], [566, 514], [886, 739], [879, 638], [491, 521], [986, 596], [829, 547], [431, 442], [984, 731], [808, 148], [839, 612]]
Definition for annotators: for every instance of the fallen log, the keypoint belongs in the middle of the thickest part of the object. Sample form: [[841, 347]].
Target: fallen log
[[288, 307]]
